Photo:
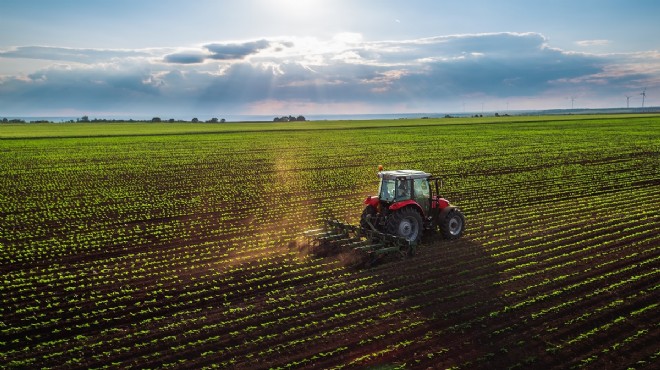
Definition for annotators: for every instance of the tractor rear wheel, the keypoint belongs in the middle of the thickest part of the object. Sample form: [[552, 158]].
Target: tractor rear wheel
[[453, 224], [406, 223]]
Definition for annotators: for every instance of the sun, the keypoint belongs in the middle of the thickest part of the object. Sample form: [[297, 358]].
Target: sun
[[297, 9]]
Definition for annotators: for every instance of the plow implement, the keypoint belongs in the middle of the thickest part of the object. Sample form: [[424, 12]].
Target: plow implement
[[363, 245]]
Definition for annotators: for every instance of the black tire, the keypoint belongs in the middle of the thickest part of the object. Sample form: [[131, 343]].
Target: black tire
[[368, 211], [453, 224], [406, 223]]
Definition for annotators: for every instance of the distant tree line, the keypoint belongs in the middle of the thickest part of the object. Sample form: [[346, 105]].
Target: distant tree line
[[17, 120], [194, 120], [5, 120], [289, 119], [85, 119]]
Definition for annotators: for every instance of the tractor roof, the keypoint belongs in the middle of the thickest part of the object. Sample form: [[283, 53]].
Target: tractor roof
[[406, 174]]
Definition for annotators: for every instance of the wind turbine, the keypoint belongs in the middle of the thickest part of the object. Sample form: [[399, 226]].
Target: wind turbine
[[628, 101], [572, 101], [643, 94]]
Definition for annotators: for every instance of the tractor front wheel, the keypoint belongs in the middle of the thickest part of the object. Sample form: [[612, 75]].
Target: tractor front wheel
[[406, 223], [453, 224]]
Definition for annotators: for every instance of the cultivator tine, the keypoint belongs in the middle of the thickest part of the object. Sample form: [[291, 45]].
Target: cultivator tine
[[368, 244]]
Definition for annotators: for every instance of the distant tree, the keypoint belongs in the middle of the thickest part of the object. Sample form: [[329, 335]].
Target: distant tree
[[5, 120], [155, 119], [195, 120], [289, 119], [171, 120], [84, 119], [222, 120], [212, 120]]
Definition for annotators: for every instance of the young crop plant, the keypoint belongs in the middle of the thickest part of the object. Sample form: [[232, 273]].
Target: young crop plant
[[136, 245]]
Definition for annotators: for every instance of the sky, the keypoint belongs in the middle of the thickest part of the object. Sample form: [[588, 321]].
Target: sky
[[179, 59]]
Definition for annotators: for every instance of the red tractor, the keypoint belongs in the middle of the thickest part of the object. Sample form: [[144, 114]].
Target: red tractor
[[407, 205], [393, 222]]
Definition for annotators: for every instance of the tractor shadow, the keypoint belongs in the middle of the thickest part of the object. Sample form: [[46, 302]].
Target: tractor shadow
[[450, 289], [444, 272], [451, 286]]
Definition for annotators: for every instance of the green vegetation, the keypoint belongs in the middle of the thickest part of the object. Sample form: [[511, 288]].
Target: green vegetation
[[178, 245], [82, 129]]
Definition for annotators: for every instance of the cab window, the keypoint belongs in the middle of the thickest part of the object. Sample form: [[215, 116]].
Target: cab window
[[423, 194]]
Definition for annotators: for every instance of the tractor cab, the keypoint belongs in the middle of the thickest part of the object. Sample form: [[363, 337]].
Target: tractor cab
[[405, 186]]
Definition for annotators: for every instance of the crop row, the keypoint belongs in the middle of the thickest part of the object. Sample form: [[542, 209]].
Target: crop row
[[184, 251]]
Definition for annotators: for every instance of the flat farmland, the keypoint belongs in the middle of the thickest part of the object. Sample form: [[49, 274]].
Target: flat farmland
[[179, 246]]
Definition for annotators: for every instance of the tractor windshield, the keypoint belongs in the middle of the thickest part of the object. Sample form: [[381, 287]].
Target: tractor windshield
[[394, 190], [386, 190]]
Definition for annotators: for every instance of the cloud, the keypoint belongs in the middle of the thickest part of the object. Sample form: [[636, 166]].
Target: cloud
[[430, 74], [185, 58], [83, 89], [71, 54], [225, 51], [237, 50], [587, 43]]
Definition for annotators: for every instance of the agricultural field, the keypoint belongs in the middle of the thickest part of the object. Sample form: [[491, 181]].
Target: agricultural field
[[179, 246]]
